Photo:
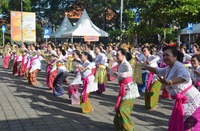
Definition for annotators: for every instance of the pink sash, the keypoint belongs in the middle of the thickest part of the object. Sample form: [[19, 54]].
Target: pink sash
[[150, 78], [23, 64], [176, 122], [122, 91], [32, 61], [198, 84], [23, 58], [6, 60], [162, 65], [85, 86], [187, 62], [16, 58], [28, 63], [48, 70]]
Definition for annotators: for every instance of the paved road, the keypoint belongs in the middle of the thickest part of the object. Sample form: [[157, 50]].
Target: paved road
[[25, 107]]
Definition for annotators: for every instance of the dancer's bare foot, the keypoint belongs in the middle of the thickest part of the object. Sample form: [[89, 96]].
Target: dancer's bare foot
[[153, 109]]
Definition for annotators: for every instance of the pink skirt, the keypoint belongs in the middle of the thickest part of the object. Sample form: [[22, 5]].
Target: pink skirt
[[94, 71], [110, 77], [51, 79], [165, 94], [72, 89], [6, 61], [16, 67]]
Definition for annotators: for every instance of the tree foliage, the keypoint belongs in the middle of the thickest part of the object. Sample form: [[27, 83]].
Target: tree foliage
[[155, 15]]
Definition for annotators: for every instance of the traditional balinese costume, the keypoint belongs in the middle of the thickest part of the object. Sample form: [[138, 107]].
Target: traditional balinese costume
[[51, 69], [34, 67], [41, 58], [88, 86], [70, 59], [69, 63], [91, 52], [58, 89], [101, 74], [17, 62], [112, 64], [165, 94], [195, 78], [23, 63], [137, 69], [162, 64], [185, 115], [153, 86], [125, 101], [76, 83], [11, 62], [142, 86], [52, 74], [12, 58], [27, 61], [6, 56]]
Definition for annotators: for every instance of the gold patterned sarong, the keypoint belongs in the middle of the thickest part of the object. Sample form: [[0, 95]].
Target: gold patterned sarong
[[122, 120], [101, 74]]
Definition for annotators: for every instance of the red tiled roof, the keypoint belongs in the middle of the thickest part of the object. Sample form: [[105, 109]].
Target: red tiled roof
[[75, 11]]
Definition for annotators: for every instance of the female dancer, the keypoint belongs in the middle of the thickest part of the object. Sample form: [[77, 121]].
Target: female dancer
[[24, 59], [51, 67], [195, 48], [128, 92], [77, 82], [186, 58], [195, 71], [153, 86], [62, 73], [7, 55], [34, 67], [176, 78], [141, 58], [88, 82], [58, 89], [17, 60], [100, 75], [111, 61]]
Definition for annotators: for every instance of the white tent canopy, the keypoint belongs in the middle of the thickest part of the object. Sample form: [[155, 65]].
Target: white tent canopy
[[65, 26], [85, 27], [196, 30]]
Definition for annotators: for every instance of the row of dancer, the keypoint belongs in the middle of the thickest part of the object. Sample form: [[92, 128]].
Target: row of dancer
[[84, 68], [123, 125], [86, 74], [128, 89], [23, 60]]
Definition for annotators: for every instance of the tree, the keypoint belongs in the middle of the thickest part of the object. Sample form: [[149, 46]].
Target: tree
[[3, 5], [156, 16]]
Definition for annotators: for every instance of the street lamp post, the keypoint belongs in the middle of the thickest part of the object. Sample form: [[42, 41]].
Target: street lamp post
[[121, 15], [22, 21], [3, 31], [3, 40]]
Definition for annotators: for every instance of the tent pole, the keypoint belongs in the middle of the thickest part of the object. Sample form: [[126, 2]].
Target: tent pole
[[189, 40]]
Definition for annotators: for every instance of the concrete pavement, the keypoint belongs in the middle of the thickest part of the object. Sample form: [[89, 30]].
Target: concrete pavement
[[25, 107]]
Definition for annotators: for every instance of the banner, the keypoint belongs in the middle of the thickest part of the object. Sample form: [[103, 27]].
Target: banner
[[91, 38], [29, 26]]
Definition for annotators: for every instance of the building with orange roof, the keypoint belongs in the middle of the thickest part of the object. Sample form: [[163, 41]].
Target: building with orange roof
[[74, 12]]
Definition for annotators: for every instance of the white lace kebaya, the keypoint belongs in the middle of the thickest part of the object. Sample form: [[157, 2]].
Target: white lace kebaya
[[193, 95]]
